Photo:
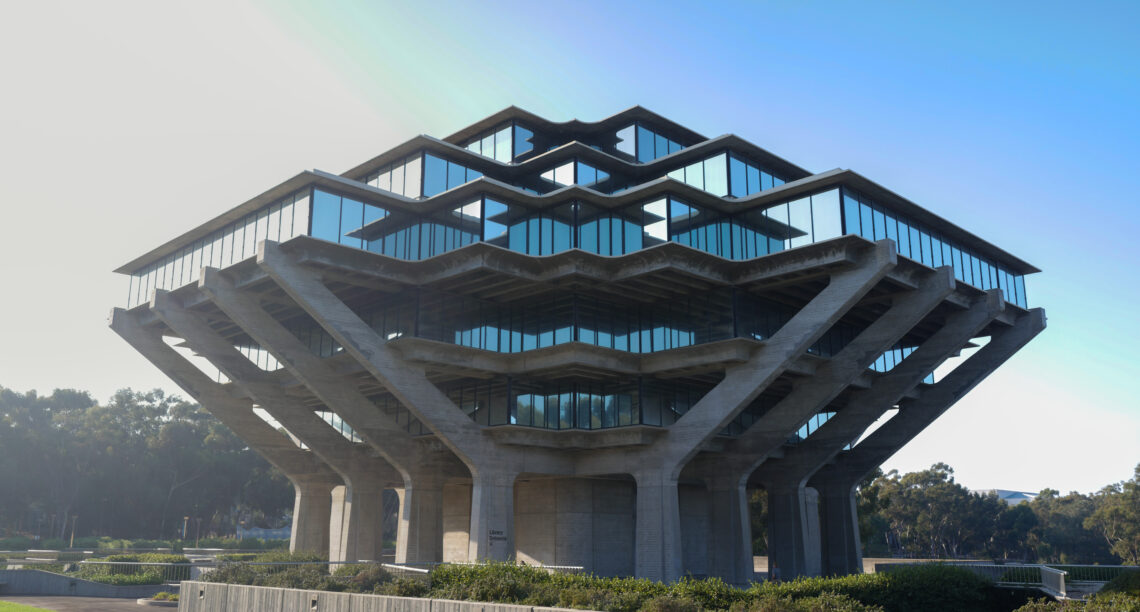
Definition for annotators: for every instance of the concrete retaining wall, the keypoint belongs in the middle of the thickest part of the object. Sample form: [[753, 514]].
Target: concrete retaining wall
[[211, 597], [36, 582]]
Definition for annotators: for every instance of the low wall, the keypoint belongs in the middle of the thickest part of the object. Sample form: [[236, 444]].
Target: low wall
[[213, 597], [37, 582]]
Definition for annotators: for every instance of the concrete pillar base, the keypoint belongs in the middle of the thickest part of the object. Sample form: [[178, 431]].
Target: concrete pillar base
[[312, 506], [839, 530], [793, 528], [419, 536], [356, 525], [658, 546], [492, 535]]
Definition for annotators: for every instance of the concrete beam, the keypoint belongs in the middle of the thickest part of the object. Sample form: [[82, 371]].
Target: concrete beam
[[420, 468], [836, 482], [864, 407], [312, 479], [365, 477]]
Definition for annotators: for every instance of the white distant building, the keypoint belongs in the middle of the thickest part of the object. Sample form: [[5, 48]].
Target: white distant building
[[1011, 498]]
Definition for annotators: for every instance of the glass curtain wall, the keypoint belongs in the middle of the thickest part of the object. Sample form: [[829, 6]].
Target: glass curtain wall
[[232, 243], [645, 144], [872, 221], [727, 174], [575, 404], [503, 144]]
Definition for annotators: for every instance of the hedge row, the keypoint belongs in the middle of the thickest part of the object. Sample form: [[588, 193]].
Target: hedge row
[[929, 588]]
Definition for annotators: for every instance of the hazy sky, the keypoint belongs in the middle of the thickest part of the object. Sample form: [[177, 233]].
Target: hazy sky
[[123, 124]]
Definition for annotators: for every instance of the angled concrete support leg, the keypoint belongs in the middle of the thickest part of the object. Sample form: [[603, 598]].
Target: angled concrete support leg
[[730, 531], [658, 540], [312, 479], [364, 476], [838, 480], [419, 536], [311, 514], [492, 516]]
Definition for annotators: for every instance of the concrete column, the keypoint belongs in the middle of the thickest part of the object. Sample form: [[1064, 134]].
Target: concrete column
[[658, 546], [730, 531], [492, 535], [419, 536], [793, 527], [842, 550], [357, 523], [312, 506]]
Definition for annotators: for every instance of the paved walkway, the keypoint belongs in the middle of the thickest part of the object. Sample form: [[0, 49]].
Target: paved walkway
[[79, 604]]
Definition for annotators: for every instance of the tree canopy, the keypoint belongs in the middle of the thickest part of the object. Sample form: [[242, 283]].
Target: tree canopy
[[132, 467]]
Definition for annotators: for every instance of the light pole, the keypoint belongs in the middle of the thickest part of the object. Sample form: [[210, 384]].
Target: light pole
[[197, 530], [185, 520], [74, 518]]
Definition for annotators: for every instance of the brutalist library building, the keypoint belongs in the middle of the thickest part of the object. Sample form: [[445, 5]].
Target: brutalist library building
[[579, 344]]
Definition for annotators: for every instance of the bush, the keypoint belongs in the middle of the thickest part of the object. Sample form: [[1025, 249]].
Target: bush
[[275, 556], [1101, 602], [16, 543], [826, 602], [931, 587], [402, 587], [1127, 583]]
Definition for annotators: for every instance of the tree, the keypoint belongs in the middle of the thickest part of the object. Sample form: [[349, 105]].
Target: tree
[[1060, 535], [1117, 518]]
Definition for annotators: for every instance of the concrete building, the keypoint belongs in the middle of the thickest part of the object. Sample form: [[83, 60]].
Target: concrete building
[[579, 343]]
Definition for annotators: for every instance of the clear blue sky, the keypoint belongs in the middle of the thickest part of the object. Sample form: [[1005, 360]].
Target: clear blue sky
[[125, 123]]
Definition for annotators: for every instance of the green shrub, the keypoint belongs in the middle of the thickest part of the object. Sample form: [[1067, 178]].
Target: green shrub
[[1127, 582], [931, 587], [16, 543], [1101, 602], [55, 568], [403, 587], [275, 556], [671, 603], [146, 577], [825, 602]]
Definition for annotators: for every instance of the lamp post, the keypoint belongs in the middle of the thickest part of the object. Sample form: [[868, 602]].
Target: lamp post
[[185, 520], [74, 518], [197, 530]]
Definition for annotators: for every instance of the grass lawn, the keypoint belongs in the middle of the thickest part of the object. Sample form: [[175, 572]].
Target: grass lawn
[[7, 606]]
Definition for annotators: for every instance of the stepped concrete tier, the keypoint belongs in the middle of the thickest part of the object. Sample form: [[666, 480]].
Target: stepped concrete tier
[[579, 344]]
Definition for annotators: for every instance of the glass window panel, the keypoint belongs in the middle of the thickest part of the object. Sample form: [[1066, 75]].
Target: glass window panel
[[301, 216], [262, 227], [1019, 283], [880, 225], [893, 230], [936, 251], [351, 219], [587, 175], [435, 175], [738, 177], [494, 219], [456, 175], [326, 216], [947, 254], [867, 222], [825, 221], [273, 231], [656, 226], [248, 244], [916, 245], [412, 171], [904, 246], [766, 181], [799, 220], [660, 146], [644, 145], [503, 145], [753, 179], [778, 215], [626, 140], [564, 174], [384, 180], [850, 214], [716, 175], [522, 143], [398, 179], [487, 145]]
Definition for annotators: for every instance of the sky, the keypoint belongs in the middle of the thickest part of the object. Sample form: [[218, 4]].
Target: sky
[[125, 123]]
